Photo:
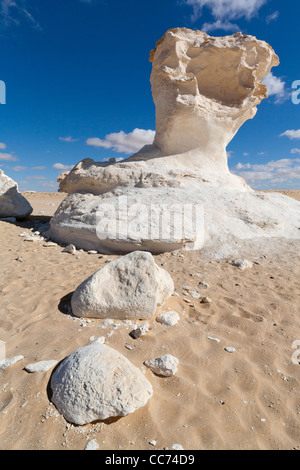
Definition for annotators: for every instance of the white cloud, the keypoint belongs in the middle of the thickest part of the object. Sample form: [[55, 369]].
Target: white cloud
[[68, 139], [38, 168], [19, 168], [36, 177], [219, 24], [124, 143], [2, 146], [276, 87], [48, 185], [15, 11], [224, 11], [275, 171], [61, 166], [7, 157], [273, 16], [295, 151], [291, 134]]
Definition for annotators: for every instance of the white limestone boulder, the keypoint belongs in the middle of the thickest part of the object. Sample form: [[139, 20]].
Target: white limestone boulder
[[95, 383], [131, 287], [12, 203]]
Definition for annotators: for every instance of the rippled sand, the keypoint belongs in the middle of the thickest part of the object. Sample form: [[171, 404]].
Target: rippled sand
[[249, 399]]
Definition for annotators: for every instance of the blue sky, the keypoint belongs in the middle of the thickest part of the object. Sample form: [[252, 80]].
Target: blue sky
[[77, 83]]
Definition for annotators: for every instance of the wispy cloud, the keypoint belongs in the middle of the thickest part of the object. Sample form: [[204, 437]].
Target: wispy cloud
[[277, 88], [61, 166], [273, 17], [16, 11], [225, 11], [19, 168], [38, 168], [275, 171], [68, 139], [2, 146], [124, 143], [291, 134], [36, 177], [7, 157]]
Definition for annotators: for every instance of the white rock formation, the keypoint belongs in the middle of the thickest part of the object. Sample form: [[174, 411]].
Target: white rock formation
[[12, 203], [132, 286], [204, 89], [95, 383], [165, 365]]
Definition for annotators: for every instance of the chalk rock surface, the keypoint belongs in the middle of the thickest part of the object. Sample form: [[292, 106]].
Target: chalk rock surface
[[204, 89], [12, 203], [132, 286], [95, 383]]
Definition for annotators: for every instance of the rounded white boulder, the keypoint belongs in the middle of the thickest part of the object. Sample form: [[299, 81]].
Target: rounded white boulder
[[96, 382]]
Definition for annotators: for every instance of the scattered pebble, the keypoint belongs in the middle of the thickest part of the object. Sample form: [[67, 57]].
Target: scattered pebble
[[230, 349], [204, 285], [242, 263], [165, 365], [142, 330], [92, 445], [177, 447], [169, 318], [217, 340], [206, 300], [70, 249], [42, 366], [4, 364], [153, 443]]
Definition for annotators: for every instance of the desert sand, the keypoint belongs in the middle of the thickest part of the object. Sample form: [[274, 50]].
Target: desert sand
[[248, 399]]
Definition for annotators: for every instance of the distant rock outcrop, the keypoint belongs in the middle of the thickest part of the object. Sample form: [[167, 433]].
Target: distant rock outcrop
[[178, 193], [12, 203]]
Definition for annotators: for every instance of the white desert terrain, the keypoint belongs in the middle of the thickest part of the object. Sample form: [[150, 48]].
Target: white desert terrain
[[143, 339]]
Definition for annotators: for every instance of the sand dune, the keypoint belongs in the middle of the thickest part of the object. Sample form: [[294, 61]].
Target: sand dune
[[248, 399]]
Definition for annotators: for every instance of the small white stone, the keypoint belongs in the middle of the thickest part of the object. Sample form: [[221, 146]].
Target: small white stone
[[242, 263], [107, 322], [230, 349], [4, 364], [70, 249], [165, 365], [42, 366], [142, 330], [92, 445], [153, 442], [169, 318], [177, 447], [206, 300], [217, 340]]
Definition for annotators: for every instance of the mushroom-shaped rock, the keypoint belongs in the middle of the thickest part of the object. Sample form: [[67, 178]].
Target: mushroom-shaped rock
[[132, 286], [12, 203], [96, 382]]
